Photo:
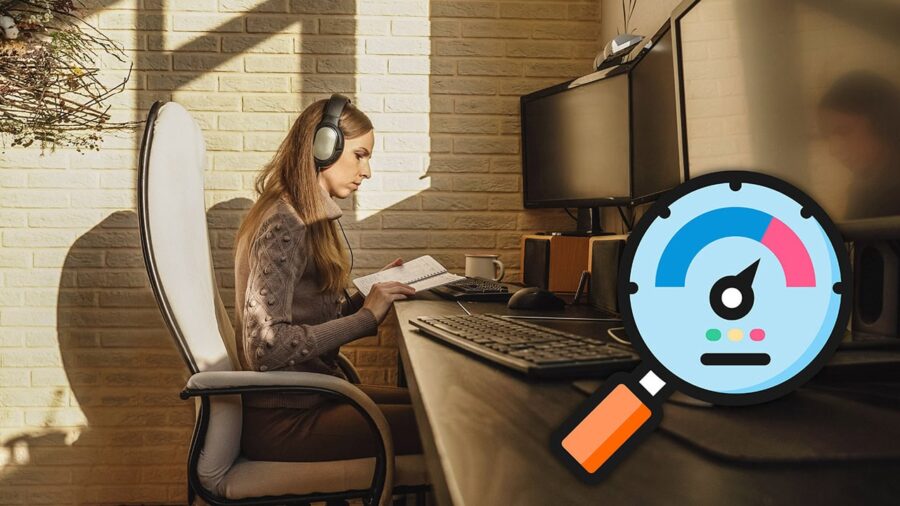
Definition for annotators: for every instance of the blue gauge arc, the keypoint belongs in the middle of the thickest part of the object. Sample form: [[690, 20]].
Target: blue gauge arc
[[735, 222]]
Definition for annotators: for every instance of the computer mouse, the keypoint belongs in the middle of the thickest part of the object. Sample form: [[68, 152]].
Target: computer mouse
[[535, 298]]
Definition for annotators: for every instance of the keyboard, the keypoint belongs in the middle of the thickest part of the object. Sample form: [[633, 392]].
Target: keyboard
[[527, 348], [474, 289]]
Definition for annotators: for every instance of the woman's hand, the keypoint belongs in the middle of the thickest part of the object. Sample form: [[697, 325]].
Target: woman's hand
[[396, 263], [383, 295]]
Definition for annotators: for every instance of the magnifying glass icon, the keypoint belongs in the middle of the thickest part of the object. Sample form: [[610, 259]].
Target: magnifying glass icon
[[734, 290]]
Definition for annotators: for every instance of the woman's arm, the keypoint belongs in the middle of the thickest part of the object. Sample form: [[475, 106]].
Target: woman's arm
[[278, 256]]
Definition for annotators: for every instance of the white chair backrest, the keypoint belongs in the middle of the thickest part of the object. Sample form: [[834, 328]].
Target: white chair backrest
[[175, 238]]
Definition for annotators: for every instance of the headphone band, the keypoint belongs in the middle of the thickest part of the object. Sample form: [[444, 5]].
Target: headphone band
[[333, 109]]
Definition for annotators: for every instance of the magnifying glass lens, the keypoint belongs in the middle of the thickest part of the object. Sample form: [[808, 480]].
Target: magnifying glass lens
[[732, 290]]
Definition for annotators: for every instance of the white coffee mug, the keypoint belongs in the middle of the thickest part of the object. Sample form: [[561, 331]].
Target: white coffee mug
[[484, 266]]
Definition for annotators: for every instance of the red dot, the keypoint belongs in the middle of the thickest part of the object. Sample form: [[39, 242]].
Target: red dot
[[757, 334]]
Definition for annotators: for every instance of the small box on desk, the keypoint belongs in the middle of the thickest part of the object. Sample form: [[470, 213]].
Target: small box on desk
[[553, 262]]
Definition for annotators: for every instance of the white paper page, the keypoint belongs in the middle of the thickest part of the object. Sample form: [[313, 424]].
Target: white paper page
[[414, 269]]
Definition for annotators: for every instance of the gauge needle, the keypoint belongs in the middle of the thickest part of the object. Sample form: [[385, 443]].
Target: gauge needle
[[746, 276], [732, 296]]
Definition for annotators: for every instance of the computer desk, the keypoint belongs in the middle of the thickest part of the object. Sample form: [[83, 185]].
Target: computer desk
[[486, 435]]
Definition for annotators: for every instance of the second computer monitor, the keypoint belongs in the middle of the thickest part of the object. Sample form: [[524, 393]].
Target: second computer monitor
[[575, 144], [805, 91]]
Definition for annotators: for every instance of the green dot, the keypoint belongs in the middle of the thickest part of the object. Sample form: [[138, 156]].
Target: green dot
[[713, 334]]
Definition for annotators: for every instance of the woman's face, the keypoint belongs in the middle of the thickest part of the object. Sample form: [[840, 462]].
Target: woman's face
[[346, 174]]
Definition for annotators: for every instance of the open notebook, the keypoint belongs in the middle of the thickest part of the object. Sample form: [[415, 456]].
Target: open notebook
[[422, 273]]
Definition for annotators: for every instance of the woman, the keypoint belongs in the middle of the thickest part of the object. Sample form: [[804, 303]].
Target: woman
[[290, 273]]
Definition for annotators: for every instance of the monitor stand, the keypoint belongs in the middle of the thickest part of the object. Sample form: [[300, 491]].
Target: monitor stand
[[588, 224]]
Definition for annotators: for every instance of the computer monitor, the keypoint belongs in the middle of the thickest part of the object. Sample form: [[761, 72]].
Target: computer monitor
[[803, 90], [575, 144], [654, 127]]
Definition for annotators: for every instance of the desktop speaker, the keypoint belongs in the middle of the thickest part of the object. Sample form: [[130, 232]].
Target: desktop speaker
[[604, 255], [553, 262], [876, 290]]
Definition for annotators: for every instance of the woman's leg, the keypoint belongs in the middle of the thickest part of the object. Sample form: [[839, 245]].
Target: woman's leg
[[332, 431]]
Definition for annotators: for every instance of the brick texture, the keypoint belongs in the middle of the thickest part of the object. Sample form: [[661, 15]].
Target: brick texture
[[89, 377]]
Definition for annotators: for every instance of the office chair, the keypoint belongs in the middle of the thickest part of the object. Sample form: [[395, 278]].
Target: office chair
[[175, 244]]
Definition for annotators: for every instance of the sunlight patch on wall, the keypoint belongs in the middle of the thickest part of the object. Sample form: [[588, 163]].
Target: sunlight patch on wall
[[392, 84]]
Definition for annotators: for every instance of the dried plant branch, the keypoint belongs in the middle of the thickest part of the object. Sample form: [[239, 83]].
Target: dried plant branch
[[50, 90], [627, 11]]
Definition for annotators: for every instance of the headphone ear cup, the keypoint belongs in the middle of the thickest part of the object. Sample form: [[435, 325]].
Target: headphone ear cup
[[324, 145], [328, 141]]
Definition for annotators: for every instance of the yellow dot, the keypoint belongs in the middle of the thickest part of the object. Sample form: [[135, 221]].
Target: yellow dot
[[735, 335]]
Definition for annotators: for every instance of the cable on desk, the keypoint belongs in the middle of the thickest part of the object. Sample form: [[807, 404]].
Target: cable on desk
[[617, 338]]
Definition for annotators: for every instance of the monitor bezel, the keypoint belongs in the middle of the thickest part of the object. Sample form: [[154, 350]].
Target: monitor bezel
[[680, 105], [660, 33]]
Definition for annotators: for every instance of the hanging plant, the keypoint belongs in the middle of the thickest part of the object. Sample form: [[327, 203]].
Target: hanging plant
[[50, 88]]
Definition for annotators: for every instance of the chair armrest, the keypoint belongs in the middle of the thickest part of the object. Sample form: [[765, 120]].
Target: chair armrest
[[213, 383], [348, 368], [232, 382]]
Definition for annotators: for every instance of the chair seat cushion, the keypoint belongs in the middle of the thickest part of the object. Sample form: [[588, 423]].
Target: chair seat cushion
[[252, 478]]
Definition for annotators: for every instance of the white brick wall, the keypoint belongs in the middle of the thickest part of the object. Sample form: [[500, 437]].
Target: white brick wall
[[89, 412]]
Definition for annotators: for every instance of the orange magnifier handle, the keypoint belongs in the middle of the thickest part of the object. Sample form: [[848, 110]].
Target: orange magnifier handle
[[610, 423]]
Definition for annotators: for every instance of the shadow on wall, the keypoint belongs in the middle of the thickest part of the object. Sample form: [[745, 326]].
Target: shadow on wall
[[124, 373], [474, 132]]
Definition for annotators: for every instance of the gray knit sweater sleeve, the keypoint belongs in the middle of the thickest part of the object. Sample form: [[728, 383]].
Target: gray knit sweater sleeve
[[278, 256]]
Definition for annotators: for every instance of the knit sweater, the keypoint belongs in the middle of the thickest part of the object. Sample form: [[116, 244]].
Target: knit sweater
[[285, 322]]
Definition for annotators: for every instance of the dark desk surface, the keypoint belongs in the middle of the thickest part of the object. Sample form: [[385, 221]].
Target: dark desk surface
[[486, 438]]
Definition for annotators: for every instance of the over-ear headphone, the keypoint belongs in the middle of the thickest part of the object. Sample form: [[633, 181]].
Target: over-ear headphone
[[328, 142]]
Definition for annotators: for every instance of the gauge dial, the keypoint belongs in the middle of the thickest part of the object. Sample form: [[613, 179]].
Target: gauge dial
[[734, 286]]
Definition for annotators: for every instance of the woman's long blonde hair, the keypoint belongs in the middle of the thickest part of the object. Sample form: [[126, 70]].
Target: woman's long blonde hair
[[292, 173]]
